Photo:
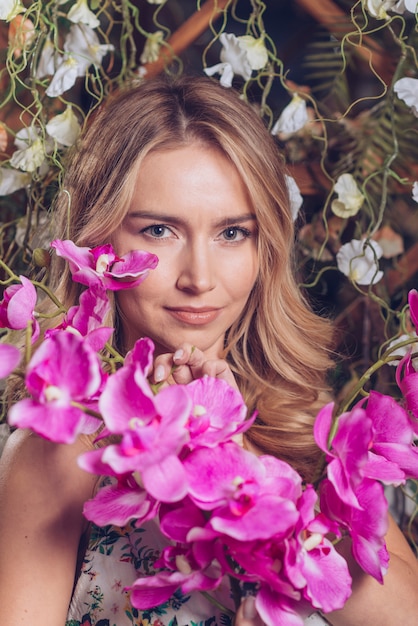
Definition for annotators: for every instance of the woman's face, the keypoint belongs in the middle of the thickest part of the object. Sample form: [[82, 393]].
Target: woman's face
[[190, 208]]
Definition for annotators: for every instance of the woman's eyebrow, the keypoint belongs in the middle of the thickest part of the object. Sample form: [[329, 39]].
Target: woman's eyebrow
[[165, 217]]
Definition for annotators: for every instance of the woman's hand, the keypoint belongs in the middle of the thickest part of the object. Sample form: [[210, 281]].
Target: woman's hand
[[188, 363], [247, 613]]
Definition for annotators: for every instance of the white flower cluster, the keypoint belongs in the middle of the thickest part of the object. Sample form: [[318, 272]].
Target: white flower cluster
[[359, 260], [379, 8], [81, 49], [239, 56]]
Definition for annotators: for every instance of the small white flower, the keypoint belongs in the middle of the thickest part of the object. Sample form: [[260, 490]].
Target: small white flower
[[64, 128], [256, 51], [295, 197], [155, 1], [358, 260], [81, 14], [10, 8], [293, 118], [407, 90], [152, 47], [415, 191], [411, 5], [403, 350], [406, 5], [31, 151], [379, 8], [64, 78], [11, 180], [46, 66], [83, 44], [234, 60], [350, 199], [30, 158]]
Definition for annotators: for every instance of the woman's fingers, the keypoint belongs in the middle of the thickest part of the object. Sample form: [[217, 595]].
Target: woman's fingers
[[188, 363]]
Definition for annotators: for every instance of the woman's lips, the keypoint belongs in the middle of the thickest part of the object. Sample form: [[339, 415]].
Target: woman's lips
[[195, 317]]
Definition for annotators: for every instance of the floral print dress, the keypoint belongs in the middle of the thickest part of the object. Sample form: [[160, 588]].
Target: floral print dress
[[114, 558]]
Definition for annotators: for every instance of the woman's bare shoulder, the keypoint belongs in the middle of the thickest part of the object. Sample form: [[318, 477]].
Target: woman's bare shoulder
[[30, 464], [42, 492]]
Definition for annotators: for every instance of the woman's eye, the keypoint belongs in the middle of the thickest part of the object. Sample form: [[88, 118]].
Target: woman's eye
[[235, 233], [158, 231]]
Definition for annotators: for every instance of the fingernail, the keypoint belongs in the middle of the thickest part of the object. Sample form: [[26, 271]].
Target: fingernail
[[249, 609], [159, 373], [178, 354]]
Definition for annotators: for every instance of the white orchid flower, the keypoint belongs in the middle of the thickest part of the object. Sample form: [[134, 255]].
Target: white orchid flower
[[295, 197], [83, 44], [415, 191], [293, 118], [11, 180], [46, 65], [64, 128], [350, 199], [407, 90], [406, 5], [234, 60], [29, 158], [31, 151], [358, 260], [256, 51], [64, 78], [379, 8], [10, 8], [403, 350], [81, 14], [152, 47]]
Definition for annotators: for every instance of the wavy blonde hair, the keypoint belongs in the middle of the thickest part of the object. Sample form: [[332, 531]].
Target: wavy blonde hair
[[278, 349]]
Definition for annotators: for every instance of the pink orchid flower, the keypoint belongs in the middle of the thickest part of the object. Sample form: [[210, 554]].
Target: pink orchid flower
[[413, 306], [393, 437], [9, 359], [152, 429], [17, 308], [280, 610], [87, 318], [232, 482], [348, 455], [179, 520], [218, 413], [182, 572], [407, 380], [311, 562], [120, 502], [141, 355], [63, 373], [90, 266], [367, 525]]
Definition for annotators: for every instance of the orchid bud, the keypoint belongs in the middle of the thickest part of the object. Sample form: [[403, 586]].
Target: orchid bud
[[41, 257]]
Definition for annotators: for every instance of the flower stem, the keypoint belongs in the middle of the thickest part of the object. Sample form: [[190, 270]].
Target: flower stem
[[218, 604]]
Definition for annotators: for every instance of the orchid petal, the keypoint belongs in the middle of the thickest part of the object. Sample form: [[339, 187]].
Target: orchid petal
[[9, 359]]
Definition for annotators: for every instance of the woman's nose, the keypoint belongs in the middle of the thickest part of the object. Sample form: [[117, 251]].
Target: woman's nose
[[196, 269]]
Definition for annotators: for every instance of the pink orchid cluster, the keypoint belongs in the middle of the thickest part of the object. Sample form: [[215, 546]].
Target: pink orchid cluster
[[172, 454]]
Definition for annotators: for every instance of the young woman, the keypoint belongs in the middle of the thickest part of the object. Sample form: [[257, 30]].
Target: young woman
[[185, 170]]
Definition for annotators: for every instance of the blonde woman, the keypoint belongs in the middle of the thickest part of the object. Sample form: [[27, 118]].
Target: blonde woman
[[187, 171]]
